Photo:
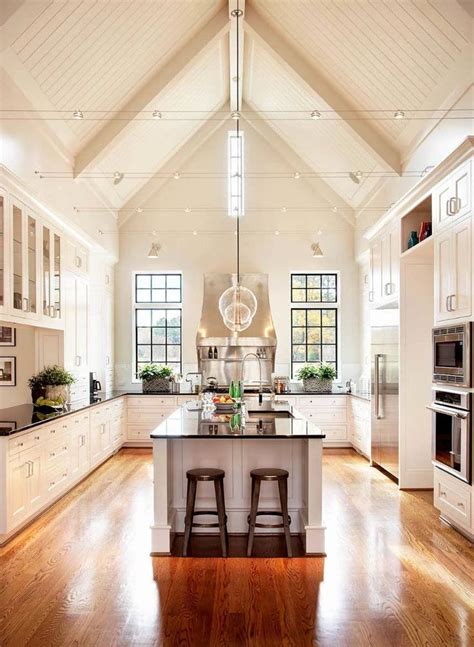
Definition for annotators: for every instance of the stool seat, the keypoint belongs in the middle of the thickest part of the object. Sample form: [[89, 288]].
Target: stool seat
[[269, 474], [205, 474]]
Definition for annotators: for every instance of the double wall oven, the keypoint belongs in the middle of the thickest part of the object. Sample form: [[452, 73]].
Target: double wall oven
[[452, 406]]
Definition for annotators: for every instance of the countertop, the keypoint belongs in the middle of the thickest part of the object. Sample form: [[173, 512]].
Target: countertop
[[25, 416], [189, 422]]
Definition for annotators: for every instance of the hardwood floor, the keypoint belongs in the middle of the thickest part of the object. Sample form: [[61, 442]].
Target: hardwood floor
[[82, 574]]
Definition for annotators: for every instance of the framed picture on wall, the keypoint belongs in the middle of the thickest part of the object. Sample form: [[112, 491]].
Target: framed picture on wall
[[7, 426], [7, 371], [7, 336]]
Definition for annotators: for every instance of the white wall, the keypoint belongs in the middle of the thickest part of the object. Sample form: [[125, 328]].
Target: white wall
[[24, 351], [213, 248]]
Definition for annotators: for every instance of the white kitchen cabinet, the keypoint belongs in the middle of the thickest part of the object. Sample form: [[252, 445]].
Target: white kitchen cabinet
[[51, 268], [24, 485], [329, 413], [453, 266], [76, 324], [384, 273], [25, 261], [453, 497], [5, 236], [79, 459], [360, 425], [76, 257], [452, 198]]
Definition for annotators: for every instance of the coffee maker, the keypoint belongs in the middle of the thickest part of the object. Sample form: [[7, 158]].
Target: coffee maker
[[94, 385]]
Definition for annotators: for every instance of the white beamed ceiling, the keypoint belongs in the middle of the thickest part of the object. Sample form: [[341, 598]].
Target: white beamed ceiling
[[272, 89], [94, 55], [383, 54]]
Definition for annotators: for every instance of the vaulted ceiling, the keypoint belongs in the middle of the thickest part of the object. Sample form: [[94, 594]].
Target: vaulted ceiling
[[354, 61]]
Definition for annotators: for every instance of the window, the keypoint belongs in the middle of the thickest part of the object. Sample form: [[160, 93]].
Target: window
[[158, 330], [314, 334], [235, 174]]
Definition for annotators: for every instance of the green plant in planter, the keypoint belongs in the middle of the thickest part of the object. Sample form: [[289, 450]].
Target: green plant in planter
[[317, 378], [52, 382], [155, 377]]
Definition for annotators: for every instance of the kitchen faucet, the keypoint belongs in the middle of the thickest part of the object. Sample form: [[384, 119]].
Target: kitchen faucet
[[260, 392]]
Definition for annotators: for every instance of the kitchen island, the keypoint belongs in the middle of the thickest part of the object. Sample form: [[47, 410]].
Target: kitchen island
[[268, 435]]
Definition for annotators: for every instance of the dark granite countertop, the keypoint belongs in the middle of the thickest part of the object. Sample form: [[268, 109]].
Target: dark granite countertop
[[277, 420]]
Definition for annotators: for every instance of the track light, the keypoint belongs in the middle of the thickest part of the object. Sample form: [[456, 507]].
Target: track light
[[235, 115], [156, 114], [297, 175], [78, 114], [356, 177], [399, 114], [154, 250], [118, 177], [315, 114], [176, 175]]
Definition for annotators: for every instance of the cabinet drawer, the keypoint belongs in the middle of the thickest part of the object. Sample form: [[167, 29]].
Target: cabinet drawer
[[320, 415], [360, 408], [152, 401], [321, 401], [148, 416], [453, 498], [135, 432], [336, 432], [18, 444], [57, 453], [56, 479]]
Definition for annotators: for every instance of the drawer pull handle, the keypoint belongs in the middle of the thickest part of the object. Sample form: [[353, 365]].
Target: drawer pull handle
[[37, 437], [442, 493], [52, 454], [65, 474], [51, 483], [52, 431], [20, 444], [460, 505]]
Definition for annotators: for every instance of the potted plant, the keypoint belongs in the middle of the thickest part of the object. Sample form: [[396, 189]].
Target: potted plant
[[51, 384], [317, 378], [155, 377]]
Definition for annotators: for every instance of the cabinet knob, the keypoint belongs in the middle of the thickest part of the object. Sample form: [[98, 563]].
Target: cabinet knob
[[460, 505], [37, 437], [20, 444], [442, 493]]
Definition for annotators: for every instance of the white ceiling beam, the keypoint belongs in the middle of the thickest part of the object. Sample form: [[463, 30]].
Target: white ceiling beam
[[282, 148], [99, 146], [235, 77], [176, 162], [371, 139]]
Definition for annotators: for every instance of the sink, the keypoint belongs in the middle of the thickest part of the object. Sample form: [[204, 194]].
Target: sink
[[255, 416]]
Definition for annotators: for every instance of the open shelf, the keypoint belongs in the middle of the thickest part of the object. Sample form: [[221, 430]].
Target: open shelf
[[419, 253], [412, 222]]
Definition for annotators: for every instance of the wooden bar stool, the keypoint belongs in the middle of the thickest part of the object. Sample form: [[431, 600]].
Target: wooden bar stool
[[205, 474], [269, 474]]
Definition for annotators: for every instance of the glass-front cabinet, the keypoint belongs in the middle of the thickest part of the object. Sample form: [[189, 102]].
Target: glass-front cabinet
[[24, 265], [4, 252], [51, 273]]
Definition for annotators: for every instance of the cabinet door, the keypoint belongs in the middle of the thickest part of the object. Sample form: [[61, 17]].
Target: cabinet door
[[395, 261], [82, 305], [17, 491], [440, 198], [35, 479], [461, 285], [376, 272], [96, 442], [79, 459], [4, 253], [386, 266], [56, 278], [462, 190], [443, 268], [46, 271], [105, 441], [18, 260]]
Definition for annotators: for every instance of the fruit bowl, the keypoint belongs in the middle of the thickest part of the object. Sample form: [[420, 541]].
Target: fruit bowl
[[224, 403]]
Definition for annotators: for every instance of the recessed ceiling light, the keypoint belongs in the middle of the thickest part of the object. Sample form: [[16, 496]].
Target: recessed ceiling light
[[78, 114], [315, 114], [236, 13], [118, 177], [156, 114], [235, 115], [399, 114], [297, 175], [176, 175], [187, 210]]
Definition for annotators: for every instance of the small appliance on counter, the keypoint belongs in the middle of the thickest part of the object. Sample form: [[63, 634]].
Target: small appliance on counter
[[94, 385], [280, 384]]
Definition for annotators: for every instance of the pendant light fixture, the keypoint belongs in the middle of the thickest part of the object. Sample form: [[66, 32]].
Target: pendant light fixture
[[237, 304]]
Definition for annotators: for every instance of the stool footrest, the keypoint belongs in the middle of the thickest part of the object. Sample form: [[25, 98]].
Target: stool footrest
[[206, 525], [267, 513]]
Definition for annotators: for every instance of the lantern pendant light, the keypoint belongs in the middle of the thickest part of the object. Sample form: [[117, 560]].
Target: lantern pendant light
[[238, 304]]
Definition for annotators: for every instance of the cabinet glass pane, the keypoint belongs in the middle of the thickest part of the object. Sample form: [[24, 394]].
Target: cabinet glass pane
[[17, 259], [46, 271], [2, 251], [31, 264], [57, 275]]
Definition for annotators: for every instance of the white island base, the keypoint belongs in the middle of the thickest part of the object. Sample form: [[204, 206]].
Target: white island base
[[302, 457]]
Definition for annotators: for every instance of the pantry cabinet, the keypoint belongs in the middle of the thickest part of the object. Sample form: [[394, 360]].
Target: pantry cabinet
[[76, 324], [384, 273], [452, 198], [453, 267]]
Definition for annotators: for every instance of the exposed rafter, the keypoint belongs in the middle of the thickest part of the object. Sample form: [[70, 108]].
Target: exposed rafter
[[100, 145], [236, 77], [280, 146], [176, 162], [379, 147]]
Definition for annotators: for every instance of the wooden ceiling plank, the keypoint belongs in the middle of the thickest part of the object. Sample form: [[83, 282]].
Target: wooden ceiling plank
[[97, 148], [378, 146]]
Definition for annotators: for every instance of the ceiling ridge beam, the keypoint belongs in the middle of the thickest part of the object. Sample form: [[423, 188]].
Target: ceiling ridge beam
[[378, 146], [184, 153], [101, 143], [287, 152]]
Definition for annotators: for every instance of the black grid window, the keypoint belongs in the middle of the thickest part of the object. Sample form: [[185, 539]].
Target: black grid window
[[314, 288], [158, 326], [313, 337]]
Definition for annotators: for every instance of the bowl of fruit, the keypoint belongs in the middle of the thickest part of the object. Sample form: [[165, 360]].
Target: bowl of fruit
[[223, 402], [48, 406]]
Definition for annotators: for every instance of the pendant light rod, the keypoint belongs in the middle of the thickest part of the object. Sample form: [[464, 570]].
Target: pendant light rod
[[237, 17]]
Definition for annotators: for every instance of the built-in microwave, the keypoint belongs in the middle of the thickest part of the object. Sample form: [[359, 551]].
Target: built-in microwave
[[452, 432], [452, 355]]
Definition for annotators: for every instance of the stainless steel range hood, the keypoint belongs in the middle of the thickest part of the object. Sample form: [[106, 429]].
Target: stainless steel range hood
[[259, 338]]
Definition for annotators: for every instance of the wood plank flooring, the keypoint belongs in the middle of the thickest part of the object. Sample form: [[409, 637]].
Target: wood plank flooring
[[82, 575]]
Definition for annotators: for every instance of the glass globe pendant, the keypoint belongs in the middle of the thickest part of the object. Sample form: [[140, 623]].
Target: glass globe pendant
[[237, 306]]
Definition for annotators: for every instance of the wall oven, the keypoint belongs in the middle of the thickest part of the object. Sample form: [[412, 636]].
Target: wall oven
[[452, 432], [452, 355]]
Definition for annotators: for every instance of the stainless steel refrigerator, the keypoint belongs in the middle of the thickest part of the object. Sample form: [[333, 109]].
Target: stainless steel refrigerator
[[385, 357]]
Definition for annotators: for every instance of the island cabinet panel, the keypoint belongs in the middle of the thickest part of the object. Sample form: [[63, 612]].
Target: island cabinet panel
[[329, 413], [146, 412], [360, 425], [40, 465], [237, 457]]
